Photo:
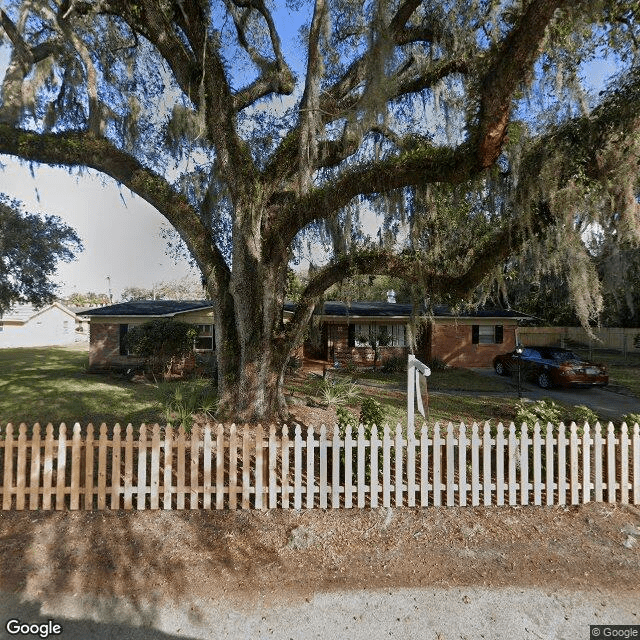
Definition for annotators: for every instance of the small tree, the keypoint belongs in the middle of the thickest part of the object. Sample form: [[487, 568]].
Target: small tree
[[160, 341]]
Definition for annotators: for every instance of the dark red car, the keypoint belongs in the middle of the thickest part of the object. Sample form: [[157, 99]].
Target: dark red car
[[552, 366]]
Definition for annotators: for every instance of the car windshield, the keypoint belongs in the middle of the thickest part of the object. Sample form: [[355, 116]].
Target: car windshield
[[562, 356]]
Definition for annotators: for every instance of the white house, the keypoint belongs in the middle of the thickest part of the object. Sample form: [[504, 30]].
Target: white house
[[26, 326]]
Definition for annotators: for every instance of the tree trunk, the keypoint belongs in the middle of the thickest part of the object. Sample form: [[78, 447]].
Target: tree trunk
[[251, 365]]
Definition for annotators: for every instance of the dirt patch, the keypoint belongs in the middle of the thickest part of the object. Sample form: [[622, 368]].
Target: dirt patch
[[245, 555]]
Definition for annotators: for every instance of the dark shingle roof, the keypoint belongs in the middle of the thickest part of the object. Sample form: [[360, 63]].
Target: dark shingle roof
[[149, 308], [391, 309]]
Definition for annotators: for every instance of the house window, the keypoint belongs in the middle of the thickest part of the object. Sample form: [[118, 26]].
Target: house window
[[1, 326], [124, 329], [392, 335], [206, 338], [487, 334]]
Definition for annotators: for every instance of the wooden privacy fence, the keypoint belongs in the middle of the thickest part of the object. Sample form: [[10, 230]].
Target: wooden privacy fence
[[223, 467]]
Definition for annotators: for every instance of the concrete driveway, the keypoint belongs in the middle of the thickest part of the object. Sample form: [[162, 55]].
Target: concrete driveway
[[608, 402]]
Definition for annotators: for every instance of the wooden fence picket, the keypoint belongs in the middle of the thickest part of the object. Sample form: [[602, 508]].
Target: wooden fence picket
[[233, 468], [61, 468], [424, 466], [273, 481], [360, 456], [386, 467], [246, 469], [550, 464], [34, 477], [573, 455], [500, 448], [284, 482], [524, 464], [484, 466], [636, 463], [116, 453], [259, 476], [436, 467], [194, 468], [141, 493], [128, 467], [167, 480], [311, 475], [611, 464], [21, 468], [536, 445], [411, 468], [181, 469], [374, 481], [399, 457], [76, 453], [450, 454], [154, 488], [462, 465], [475, 465], [586, 464], [297, 468], [348, 468], [624, 465], [562, 465], [47, 468]]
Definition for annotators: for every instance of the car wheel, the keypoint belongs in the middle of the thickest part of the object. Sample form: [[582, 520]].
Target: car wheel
[[544, 380], [500, 369]]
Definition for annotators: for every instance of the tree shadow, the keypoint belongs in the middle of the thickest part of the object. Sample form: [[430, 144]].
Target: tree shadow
[[127, 569]]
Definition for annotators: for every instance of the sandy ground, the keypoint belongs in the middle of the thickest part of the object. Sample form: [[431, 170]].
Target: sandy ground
[[440, 573]]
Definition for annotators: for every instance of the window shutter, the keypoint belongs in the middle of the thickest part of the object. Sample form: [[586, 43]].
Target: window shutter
[[475, 333], [124, 329], [499, 334], [352, 335]]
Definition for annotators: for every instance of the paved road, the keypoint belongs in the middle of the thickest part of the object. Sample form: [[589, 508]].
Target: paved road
[[604, 401], [405, 614]]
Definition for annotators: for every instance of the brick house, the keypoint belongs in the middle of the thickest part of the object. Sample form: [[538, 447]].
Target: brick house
[[110, 324], [340, 333]]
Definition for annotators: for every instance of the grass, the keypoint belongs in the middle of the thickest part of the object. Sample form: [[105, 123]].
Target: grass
[[443, 380], [625, 376], [51, 385]]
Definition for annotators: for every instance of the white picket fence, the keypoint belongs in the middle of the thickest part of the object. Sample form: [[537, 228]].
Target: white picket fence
[[225, 467]]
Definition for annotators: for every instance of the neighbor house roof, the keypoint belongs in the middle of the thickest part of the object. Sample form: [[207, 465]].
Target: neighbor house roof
[[151, 308], [398, 309], [22, 313]]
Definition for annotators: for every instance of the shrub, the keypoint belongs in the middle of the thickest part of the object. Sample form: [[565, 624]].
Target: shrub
[[631, 419], [371, 415], [182, 401], [336, 392], [160, 341], [542, 411], [436, 364], [394, 364]]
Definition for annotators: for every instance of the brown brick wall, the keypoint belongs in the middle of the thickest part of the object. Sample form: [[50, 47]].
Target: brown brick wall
[[452, 344], [104, 346]]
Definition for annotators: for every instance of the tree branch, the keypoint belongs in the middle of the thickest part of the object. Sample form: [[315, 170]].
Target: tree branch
[[82, 149]]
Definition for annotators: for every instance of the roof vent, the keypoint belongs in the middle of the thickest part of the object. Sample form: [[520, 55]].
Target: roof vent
[[391, 296]]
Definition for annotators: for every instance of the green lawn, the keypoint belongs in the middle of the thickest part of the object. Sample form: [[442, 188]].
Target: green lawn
[[51, 385]]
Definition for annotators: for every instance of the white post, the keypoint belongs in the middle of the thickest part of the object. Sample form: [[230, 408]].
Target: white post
[[414, 369]]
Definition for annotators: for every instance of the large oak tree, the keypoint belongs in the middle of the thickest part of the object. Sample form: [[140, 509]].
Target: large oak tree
[[464, 123]]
